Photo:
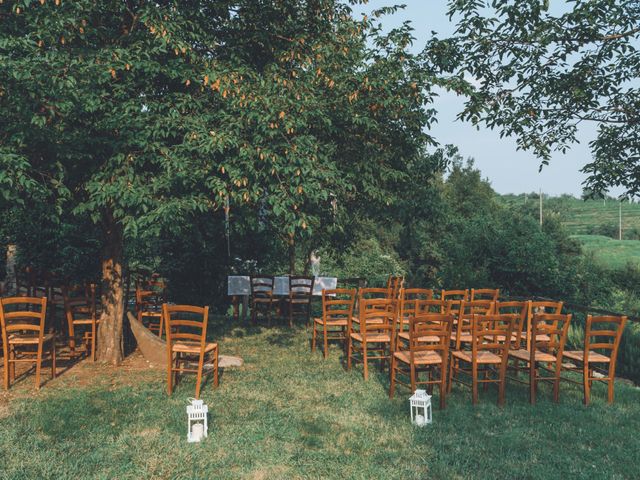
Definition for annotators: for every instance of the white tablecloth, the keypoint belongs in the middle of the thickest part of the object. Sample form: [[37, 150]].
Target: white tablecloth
[[239, 285]]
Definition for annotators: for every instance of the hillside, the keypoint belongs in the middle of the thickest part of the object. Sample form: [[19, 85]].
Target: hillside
[[594, 223], [585, 217]]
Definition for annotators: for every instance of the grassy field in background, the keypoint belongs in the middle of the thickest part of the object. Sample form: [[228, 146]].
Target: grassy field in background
[[611, 253], [287, 413], [586, 219]]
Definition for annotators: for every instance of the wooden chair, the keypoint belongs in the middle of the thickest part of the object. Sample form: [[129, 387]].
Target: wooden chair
[[150, 296], [488, 354], [376, 333], [186, 328], [549, 335], [456, 297], [80, 311], [262, 296], [601, 334], [464, 325], [337, 310], [485, 294], [418, 307], [540, 307], [520, 309], [300, 294], [374, 293], [428, 348], [23, 323], [408, 301]]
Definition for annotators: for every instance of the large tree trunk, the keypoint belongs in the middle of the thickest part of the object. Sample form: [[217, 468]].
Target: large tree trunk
[[110, 348]]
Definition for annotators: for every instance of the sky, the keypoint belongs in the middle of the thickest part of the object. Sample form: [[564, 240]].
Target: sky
[[508, 170]]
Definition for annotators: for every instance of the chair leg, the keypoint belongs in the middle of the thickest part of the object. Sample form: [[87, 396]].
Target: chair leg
[[72, 347], [392, 377], [532, 383], [199, 377], [12, 365], [585, 384], [349, 352], [5, 372], [326, 342], [451, 367], [313, 337], [364, 359], [412, 374], [443, 387], [474, 383], [170, 375], [38, 365]]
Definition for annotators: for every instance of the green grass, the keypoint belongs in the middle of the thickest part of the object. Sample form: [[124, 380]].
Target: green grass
[[611, 253], [579, 216], [585, 220], [290, 414]]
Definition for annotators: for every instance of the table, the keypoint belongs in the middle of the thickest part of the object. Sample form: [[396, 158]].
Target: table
[[240, 286]]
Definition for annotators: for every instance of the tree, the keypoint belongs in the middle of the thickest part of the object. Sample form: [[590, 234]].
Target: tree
[[144, 115], [540, 75]]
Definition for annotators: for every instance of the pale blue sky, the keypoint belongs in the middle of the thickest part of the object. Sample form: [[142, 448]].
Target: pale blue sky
[[508, 170]]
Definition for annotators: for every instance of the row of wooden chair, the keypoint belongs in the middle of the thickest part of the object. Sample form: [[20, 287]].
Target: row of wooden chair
[[472, 336]]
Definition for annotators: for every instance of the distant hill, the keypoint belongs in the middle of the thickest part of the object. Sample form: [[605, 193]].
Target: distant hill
[[594, 223], [585, 217]]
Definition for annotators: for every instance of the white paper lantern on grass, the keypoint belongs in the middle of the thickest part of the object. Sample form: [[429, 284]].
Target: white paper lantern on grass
[[197, 427], [420, 403]]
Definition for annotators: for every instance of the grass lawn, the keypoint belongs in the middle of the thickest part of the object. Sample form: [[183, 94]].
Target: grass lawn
[[290, 414], [611, 253]]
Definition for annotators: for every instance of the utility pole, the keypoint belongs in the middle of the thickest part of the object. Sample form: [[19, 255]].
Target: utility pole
[[540, 196], [620, 221]]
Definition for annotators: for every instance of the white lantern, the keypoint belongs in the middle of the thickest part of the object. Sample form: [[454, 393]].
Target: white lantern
[[420, 408], [196, 420]]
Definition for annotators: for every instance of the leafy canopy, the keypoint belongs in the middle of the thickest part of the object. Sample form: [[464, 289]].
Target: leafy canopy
[[541, 74], [146, 113]]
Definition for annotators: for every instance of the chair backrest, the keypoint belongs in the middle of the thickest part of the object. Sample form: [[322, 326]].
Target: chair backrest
[[409, 303], [430, 331], [186, 323], [22, 314], [468, 310], [549, 333], [603, 333], [338, 303], [492, 333], [485, 294], [301, 287], [376, 315], [520, 309], [541, 307], [435, 305], [262, 285], [79, 303], [455, 296], [371, 293]]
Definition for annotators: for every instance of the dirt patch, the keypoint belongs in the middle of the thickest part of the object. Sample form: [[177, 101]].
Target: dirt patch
[[71, 373]]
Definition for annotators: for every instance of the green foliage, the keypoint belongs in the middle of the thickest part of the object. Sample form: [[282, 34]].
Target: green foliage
[[541, 74], [366, 259]]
